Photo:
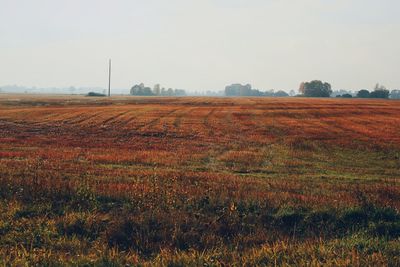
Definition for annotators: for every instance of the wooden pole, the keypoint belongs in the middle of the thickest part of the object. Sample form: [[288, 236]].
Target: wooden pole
[[109, 78]]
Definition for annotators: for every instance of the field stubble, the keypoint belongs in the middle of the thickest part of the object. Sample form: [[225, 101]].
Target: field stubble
[[199, 181]]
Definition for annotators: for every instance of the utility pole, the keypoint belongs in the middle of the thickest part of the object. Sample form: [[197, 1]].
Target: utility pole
[[109, 78]]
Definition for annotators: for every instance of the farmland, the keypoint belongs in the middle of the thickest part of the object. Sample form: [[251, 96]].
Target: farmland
[[199, 181]]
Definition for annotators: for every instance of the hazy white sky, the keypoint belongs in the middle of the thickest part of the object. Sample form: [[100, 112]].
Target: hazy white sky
[[200, 44]]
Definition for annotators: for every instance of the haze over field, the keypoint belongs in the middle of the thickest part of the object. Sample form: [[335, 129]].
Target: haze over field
[[200, 45]]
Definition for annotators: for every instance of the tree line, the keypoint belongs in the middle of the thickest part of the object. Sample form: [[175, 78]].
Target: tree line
[[246, 90], [318, 88], [315, 88], [380, 91], [142, 90]]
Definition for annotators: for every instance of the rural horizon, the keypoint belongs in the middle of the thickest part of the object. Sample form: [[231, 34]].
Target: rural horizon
[[72, 90], [156, 90]]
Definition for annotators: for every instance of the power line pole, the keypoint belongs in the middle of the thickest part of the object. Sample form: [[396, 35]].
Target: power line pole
[[109, 78]]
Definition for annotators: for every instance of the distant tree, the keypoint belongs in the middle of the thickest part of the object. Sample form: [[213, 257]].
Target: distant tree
[[254, 92], [212, 93], [316, 89], [341, 92], [246, 90], [347, 96], [395, 94], [156, 89], [363, 94], [292, 93], [179, 92], [281, 94], [380, 91], [238, 90], [302, 88], [147, 91], [379, 87], [141, 90]]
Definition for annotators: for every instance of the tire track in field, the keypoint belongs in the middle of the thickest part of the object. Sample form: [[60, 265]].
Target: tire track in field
[[75, 123], [45, 118], [206, 121], [118, 125], [223, 135], [59, 116], [114, 119], [232, 126], [69, 118], [81, 119], [178, 119], [155, 121], [54, 123], [125, 124], [122, 123], [352, 128]]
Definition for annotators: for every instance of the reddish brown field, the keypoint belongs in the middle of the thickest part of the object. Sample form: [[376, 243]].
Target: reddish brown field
[[208, 138], [166, 154]]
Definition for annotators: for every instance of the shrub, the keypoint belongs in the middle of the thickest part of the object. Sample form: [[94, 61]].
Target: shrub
[[388, 229], [347, 96], [144, 235], [288, 217], [121, 233], [83, 225], [321, 221], [94, 94], [354, 217]]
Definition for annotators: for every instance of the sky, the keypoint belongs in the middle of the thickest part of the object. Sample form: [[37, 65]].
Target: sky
[[200, 44]]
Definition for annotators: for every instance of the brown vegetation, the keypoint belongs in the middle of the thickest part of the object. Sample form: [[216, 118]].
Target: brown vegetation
[[199, 180]]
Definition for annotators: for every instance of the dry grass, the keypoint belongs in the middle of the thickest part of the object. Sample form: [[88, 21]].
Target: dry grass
[[193, 181]]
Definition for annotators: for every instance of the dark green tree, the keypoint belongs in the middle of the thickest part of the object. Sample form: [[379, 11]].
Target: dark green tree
[[347, 96], [317, 88], [141, 90], [363, 93], [380, 93], [395, 94], [281, 94]]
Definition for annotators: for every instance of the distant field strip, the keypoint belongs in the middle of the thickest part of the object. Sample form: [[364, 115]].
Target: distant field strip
[[229, 119]]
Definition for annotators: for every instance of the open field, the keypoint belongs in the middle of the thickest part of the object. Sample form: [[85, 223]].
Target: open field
[[199, 181]]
